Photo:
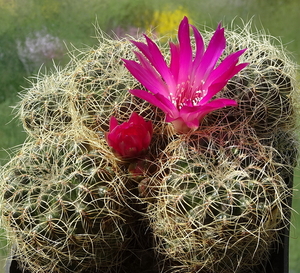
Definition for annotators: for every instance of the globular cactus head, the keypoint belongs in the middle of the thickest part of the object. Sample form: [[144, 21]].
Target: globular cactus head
[[219, 207], [82, 97], [266, 88], [61, 208], [222, 193], [45, 106]]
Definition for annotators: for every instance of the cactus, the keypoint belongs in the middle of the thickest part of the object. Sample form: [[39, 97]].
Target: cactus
[[265, 89], [45, 106], [86, 93], [222, 195], [60, 202], [218, 207], [211, 200]]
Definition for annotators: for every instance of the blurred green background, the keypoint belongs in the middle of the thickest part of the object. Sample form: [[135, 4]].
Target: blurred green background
[[33, 33]]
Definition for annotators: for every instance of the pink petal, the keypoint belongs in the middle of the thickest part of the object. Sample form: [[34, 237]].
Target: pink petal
[[211, 91], [185, 50], [221, 82], [113, 123], [212, 54], [111, 140], [159, 63], [149, 127], [175, 63], [147, 140], [225, 66], [147, 77], [135, 118], [193, 115], [156, 59], [200, 47], [208, 107], [144, 49], [157, 100]]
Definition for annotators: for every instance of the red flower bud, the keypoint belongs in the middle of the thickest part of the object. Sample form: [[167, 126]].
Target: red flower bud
[[131, 138]]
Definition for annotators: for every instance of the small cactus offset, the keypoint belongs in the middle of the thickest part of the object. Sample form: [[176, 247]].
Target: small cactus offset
[[148, 157]]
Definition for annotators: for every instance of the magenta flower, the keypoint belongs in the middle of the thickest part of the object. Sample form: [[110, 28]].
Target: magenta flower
[[131, 138], [184, 89]]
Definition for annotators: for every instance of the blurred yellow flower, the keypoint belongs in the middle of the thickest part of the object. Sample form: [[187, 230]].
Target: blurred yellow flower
[[165, 22]]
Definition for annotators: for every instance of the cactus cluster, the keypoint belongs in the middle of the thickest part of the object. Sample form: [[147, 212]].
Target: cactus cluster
[[213, 200]]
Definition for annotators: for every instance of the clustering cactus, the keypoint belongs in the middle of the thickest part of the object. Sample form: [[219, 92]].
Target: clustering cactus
[[64, 193], [223, 194], [210, 200]]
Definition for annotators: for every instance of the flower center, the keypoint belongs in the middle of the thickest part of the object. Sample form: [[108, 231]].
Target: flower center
[[187, 95]]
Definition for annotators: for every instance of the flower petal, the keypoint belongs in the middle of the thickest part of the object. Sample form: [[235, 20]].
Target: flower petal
[[213, 52], [157, 100], [193, 115], [135, 118], [225, 66], [221, 81], [185, 88], [144, 49], [174, 63], [185, 50], [200, 47], [160, 64], [151, 81], [156, 59], [131, 138], [113, 123]]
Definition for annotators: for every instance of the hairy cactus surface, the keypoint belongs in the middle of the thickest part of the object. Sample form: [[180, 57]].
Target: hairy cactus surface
[[45, 108], [62, 207], [212, 199], [223, 193], [265, 88], [218, 210]]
